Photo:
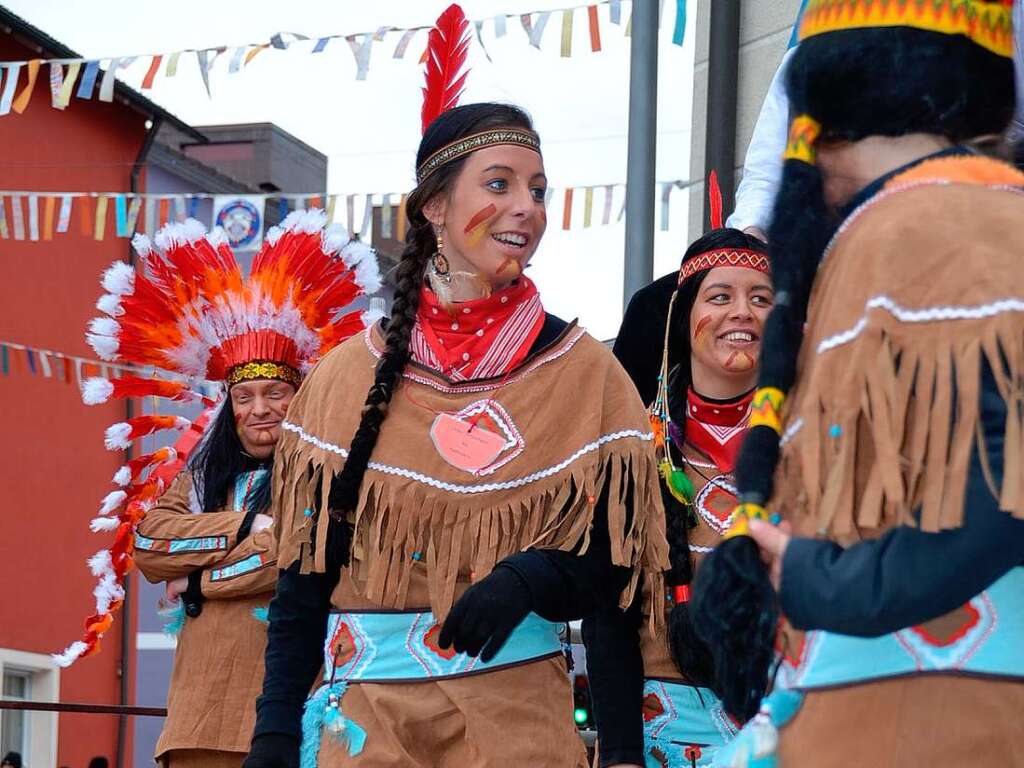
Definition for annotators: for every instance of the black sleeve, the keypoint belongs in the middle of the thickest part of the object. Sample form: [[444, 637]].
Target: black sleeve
[[295, 637], [908, 577], [567, 585], [615, 668]]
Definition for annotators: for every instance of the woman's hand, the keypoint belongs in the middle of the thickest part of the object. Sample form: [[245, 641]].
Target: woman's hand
[[482, 619], [773, 541], [261, 522], [174, 588]]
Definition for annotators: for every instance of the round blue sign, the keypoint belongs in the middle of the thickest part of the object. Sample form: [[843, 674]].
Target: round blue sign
[[241, 222]]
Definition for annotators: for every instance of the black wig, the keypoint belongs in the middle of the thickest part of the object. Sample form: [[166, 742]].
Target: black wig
[[855, 83]]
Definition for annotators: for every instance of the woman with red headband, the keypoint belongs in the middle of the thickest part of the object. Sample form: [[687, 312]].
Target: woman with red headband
[[650, 682]]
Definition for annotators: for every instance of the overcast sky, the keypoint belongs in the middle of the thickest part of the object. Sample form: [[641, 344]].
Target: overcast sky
[[369, 129]]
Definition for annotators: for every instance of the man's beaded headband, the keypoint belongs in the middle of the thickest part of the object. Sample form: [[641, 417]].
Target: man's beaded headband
[[723, 257], [985, 22], [513, 136], [263, 369]]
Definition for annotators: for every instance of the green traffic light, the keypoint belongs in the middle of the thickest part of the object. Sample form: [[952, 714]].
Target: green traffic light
[[580, 715]]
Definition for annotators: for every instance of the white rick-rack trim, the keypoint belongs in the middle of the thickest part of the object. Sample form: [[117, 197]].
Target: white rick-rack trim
[[924, 315], [434, 482]]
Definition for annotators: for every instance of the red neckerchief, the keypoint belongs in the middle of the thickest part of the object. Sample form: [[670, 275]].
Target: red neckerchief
[[481, 338], [717, 429]]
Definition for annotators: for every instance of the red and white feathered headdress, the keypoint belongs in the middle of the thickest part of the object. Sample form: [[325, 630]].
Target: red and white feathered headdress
[[188, 314]]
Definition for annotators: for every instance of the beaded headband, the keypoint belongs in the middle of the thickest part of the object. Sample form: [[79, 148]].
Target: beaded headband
[[724, 257], [985, 23], [509, 136], [263, 369]]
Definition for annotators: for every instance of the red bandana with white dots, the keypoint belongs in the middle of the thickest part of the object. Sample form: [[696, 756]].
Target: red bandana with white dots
[[717, 429], [481, 338]]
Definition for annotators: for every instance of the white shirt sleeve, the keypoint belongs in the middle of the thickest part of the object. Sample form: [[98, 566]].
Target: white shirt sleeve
[[762, 167]]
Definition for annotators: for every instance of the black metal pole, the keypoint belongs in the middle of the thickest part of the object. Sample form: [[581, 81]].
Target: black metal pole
[[642, 143], [723, 77]]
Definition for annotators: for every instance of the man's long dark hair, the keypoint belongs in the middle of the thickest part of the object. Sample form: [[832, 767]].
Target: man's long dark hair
[[218, 461]]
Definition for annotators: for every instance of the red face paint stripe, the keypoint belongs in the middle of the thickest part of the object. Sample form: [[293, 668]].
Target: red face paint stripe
[[703, 323], [479, 217]]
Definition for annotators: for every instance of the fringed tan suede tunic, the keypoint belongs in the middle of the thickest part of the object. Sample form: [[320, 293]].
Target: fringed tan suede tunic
[[424, 529], [913, 294], [218, 663]]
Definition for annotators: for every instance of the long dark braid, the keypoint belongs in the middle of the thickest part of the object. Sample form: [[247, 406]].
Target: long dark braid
[[690, 654], [854, 83], [419, 247]]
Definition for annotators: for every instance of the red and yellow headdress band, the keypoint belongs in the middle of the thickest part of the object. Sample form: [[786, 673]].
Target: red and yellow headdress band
[[508, 136], [723, 257], [987, 24]]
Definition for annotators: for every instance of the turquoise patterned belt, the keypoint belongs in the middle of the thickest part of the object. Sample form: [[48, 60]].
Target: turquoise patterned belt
[[683, 725], [392, 647], [983, 637]]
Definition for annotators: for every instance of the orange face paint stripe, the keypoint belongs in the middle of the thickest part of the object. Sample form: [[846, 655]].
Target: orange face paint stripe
[[702, 325]]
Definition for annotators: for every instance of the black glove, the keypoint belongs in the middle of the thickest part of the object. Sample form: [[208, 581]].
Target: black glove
[[482, 619], [273, 750], [193, 596]]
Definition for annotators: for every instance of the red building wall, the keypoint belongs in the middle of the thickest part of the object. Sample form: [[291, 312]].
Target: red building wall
[[55, 469]]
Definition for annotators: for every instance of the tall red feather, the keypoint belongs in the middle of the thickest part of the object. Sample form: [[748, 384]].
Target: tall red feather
[[715, 200], [447, 47]]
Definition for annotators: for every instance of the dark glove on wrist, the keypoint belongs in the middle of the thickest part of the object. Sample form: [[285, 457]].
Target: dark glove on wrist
[[273, 750], [482, 619], [192, 598]]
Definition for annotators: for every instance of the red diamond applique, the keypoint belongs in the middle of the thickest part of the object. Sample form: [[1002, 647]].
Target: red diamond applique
[[715, 503], [430, 641], [950, 641], [652, 707], [343, 644]]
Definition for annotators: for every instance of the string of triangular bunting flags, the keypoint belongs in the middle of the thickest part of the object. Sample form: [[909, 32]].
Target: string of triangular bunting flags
[[39, 216], [78, 78], [18, 358]]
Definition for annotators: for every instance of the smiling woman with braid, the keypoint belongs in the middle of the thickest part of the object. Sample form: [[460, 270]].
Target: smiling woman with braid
[[650, 681], [451, 485]]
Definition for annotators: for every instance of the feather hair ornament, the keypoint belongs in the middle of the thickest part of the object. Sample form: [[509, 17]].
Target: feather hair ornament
[[447, 47], [715, 200]]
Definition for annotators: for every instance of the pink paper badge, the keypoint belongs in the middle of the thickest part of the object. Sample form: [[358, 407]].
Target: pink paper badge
[[467, 446]]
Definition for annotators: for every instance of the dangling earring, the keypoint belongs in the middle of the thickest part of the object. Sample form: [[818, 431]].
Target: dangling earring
[[445, 283], [439, 267], [439, 275]]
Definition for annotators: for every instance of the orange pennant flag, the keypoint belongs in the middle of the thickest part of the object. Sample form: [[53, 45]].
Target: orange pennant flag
[[154, 67], [595, 29], [48, 218], [252, 54], [567, 209], [85, 215], [21, 101]]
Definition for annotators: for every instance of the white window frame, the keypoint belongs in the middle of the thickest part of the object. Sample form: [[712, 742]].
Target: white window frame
[[44, 686]]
